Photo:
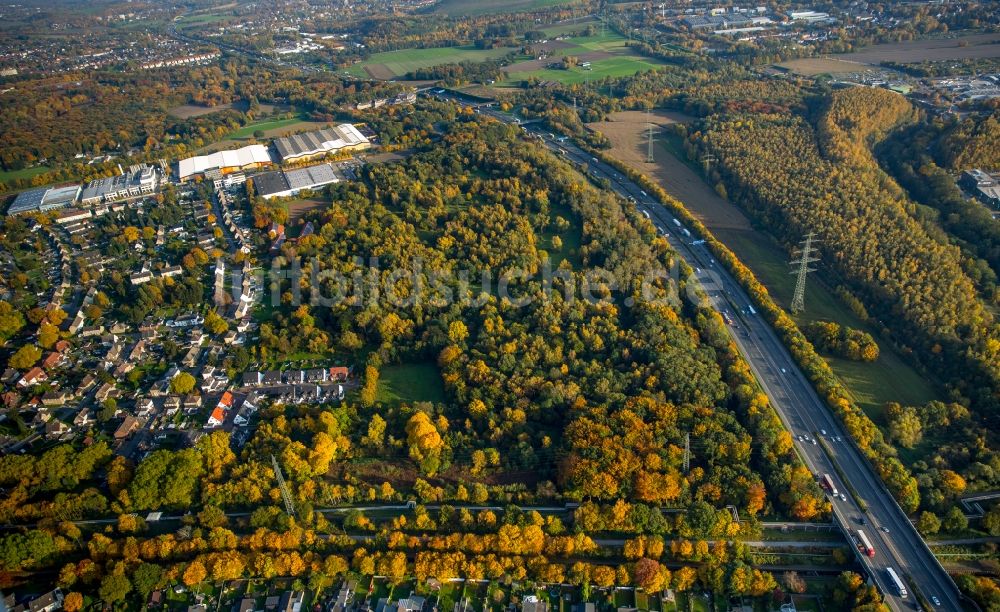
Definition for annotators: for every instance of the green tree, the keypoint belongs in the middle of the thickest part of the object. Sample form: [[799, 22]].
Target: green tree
[[114, 588], [215, 324], [182, 383], [955, 521], [11, 321], [928, 523], [906, 428], [146, 579], [25, 357]]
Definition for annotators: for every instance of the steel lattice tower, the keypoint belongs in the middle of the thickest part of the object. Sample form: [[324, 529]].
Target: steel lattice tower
[[804, 259], [285, 495]]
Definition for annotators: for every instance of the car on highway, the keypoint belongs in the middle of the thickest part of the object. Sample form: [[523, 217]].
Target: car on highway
[[838, 439], [814, 440], [646, 213], [937, 602], [885, 529], [822, 432], [843, 497]]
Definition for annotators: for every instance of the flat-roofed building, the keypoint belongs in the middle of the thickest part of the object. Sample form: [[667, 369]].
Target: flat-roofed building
[[290, 182], [312, 144], [137, 181], [246, 158], [44, 199]]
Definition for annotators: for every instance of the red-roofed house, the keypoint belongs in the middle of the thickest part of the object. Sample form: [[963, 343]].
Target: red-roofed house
[[226, 401], [52, 360], [338, 373], [32, 377], [217, 417]]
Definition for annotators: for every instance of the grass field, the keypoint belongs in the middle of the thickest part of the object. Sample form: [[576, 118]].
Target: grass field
[[414, 382], [13, 175], [272, 124], [568, 28], [390, 64], [608, 55], [470, 8], [273, 128]]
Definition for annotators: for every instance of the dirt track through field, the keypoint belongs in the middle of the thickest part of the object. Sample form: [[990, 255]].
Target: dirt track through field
[[627, 133]]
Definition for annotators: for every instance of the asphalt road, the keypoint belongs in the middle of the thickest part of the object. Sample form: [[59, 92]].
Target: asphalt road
[[897, 544]]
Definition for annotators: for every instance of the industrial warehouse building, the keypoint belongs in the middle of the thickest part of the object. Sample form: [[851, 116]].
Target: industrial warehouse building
[[44, 199], [286, 183], [299, 147], [246, 158]]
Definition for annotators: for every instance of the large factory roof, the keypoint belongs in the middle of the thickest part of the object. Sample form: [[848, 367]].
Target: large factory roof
[[238, 158], [320, 141]]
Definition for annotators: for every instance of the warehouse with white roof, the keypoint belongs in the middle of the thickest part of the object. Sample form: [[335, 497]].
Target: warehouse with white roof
[[311, 144], [246, 158]]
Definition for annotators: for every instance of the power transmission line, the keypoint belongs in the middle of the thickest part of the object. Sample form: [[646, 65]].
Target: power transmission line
[[805, 258], [285, 495], [687, 452]]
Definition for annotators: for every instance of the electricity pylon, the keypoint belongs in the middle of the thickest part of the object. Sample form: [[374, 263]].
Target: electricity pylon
[[687, 452], [804, 259], [285, 495], [706, 161], [649, 150]]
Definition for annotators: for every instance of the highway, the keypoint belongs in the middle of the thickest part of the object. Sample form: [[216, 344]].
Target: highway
[[896, 542]]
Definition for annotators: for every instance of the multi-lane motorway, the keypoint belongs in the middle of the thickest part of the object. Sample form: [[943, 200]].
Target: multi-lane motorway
[[897, 544]]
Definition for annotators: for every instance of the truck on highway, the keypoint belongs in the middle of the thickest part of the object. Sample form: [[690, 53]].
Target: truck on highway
[[677, 223], [896, 582], [827, 483], [865, 545]]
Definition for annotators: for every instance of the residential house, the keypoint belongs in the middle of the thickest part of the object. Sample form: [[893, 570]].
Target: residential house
[[531, 603], [84, 418], [52, 360], [32, 377], [191, 357], [413, 603], [11, 400], [144, 407], [49, 602], [252, 379], [217, 418], [344, 597], [172, 404], [104, 392], [271, 377], [54, 398], [192, 403], [55, 429], [315, 375], [85, 384], [291, 601], [246, 605], [339, 373], [10, 376], [128, 426]]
